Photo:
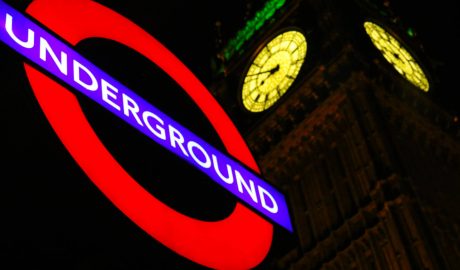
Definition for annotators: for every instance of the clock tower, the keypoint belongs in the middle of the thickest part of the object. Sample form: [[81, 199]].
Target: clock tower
[[367, 157]]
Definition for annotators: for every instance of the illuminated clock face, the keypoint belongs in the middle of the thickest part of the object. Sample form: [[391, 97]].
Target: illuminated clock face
[[273, 70], [395, 53]]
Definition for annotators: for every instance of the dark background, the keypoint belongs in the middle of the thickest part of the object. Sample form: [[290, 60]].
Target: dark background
[[435, 24], [52, 216]]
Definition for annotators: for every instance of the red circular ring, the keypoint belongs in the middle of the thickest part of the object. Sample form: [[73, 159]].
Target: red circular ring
[[241, 240]]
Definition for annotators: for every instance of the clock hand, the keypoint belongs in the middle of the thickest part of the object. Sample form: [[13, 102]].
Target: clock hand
[[272, 71]]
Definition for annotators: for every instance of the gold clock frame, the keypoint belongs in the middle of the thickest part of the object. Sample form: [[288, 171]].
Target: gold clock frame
[[269, 75], [398, 54]]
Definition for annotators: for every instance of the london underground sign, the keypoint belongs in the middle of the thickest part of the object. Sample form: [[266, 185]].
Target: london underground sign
[[242, 239]]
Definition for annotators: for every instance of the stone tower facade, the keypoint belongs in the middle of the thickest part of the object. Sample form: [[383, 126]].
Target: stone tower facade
[[369, 162]]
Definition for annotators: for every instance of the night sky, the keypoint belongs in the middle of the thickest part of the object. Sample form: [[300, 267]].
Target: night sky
[[52, 214], [435, 24]]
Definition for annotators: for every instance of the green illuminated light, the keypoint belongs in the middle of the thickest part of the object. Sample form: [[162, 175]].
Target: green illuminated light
[[410, 32], [251, 27]]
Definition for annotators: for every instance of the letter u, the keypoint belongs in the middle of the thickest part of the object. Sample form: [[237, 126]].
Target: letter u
[[9, 29], [229, 179]]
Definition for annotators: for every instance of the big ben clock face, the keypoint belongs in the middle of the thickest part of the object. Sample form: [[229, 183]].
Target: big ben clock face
[[395, 53], [273, 70]]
